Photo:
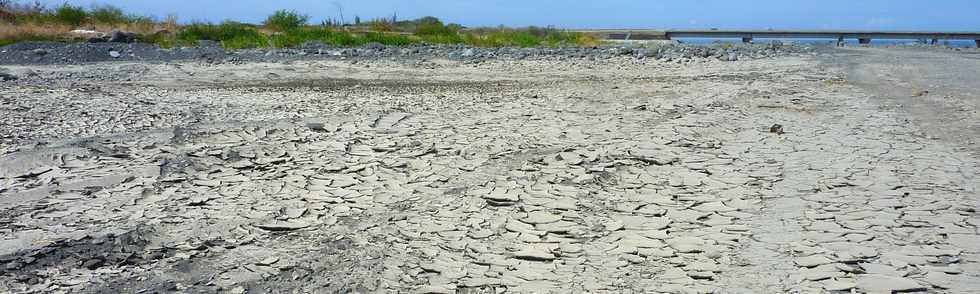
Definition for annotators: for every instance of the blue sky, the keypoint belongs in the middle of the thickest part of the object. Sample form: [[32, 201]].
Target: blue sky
[[960, 15]]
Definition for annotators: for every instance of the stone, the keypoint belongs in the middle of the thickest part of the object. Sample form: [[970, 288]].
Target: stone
[[93, 264], [122, 37], [87, 35], [7, 76], [114, 54], [777, 129]]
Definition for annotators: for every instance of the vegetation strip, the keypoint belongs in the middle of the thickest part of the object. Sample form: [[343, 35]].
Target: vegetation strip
[[283, 29]]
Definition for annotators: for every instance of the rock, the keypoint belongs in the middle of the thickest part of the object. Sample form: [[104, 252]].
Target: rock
[[122, 37], [374, 46], [732, 57], [317, 127], [777, 129], [114, 54], [886, 284], [13, 266], [87, 35], [6, 75], [40, 52], [93, 263], [468, 53]]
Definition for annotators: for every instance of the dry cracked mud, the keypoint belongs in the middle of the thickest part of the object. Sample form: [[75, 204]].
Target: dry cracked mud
[[549, 175]]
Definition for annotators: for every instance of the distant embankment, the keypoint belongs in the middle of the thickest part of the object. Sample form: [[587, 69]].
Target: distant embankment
[[864, 37]]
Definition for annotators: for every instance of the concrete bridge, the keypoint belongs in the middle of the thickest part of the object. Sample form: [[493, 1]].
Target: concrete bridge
[[863, 37]]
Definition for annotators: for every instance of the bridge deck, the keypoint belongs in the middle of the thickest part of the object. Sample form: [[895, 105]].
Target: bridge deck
[[748, 35]]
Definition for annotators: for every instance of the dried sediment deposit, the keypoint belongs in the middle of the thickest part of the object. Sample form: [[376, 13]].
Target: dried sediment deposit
[[530, 175]]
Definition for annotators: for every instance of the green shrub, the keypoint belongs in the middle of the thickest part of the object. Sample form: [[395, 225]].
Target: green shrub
[[431, 26], [297, 37], [233, 35], [70, 15], [387, 39], [111, 15], [7, 40], [442, 39], [284, 20]]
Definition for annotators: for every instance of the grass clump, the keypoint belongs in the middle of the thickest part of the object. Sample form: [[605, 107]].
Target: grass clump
[[15, 34], [526, 37], [329, 36], [285, 20], [231, 34], [282, 29], [112, 15]]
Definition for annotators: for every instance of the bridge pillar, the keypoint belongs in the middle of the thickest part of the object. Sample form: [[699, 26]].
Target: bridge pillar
[[840, 41], [978, 43], [746, 40], [864, 41]]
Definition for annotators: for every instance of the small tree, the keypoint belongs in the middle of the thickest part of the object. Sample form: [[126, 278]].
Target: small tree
[[284, 20], [70, 15]]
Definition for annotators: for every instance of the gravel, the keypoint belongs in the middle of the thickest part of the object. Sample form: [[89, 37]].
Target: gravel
[[75, 53]]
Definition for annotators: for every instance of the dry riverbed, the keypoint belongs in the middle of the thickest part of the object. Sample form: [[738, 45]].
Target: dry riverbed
[[536, 175]]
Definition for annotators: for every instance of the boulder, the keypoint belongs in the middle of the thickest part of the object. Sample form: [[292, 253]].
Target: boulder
[[6, 75], [90, 35], [122, 37]]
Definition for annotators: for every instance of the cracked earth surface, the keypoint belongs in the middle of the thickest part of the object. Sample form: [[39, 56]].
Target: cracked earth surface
[[530, 176]]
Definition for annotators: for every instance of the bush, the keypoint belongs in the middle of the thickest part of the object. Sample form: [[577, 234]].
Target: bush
[[328, 36], [381, 26], [109, 15], [431, 26], [70, 15], [284, 20], [233, 35]]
